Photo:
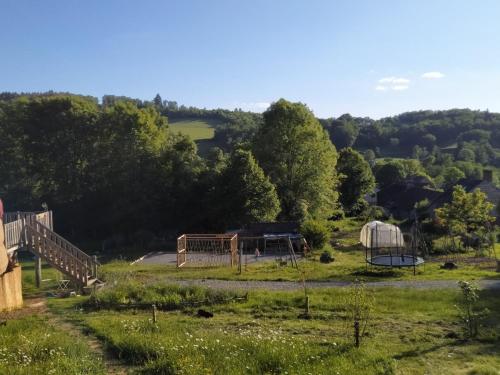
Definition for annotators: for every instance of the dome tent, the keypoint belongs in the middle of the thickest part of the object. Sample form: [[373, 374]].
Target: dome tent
[[385, 246], [377, 234]]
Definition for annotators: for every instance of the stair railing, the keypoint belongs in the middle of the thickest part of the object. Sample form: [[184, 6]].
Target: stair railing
[[58, 251]]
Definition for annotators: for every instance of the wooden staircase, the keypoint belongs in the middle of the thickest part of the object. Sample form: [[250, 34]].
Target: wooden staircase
[[38, 237]]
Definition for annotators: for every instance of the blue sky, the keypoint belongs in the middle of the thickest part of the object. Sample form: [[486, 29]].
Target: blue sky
[[367, 58]]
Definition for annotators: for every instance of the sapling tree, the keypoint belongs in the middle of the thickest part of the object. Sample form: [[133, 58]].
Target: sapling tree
[[359, 305], [467, 215], [470, 315]]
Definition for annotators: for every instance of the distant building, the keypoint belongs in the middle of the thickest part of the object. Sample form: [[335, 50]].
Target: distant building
[[271, 236], [485, 185], [399, 199]]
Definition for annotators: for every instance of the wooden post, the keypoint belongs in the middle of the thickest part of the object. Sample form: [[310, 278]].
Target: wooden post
[[356, 333], [307, 305], [94, 266], [154, 314], [38, 271], [240, 256]]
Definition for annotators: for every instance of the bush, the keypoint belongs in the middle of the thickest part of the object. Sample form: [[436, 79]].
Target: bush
[[316, 233], [326, 257], [357, 208], [338, 214], [373, 213]]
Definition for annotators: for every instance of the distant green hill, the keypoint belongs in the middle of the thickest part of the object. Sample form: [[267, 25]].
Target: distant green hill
[[197, 129]]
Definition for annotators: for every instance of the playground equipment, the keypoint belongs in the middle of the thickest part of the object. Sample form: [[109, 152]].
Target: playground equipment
[[207, 250], [385, 246], [212, 250]]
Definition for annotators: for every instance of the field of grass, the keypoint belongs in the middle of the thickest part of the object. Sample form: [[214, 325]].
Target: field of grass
[[411, 332], [195, 129]]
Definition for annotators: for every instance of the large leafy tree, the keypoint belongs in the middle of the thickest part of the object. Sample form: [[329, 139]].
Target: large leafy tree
[[356, 178], [52, 140], [389, 173], [468, 214], [343, 131], [133, 158], [297, 155], [451, 176], [244, 194]]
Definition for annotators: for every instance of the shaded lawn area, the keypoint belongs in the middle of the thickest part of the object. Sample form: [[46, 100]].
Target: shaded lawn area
[[411, 332]]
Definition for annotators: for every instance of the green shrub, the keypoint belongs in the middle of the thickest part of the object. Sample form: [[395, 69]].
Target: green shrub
[[338, 214], [316, 233], [326, 257]]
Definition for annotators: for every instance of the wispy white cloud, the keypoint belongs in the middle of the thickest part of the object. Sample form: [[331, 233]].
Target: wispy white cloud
[[432, 75], [394, 80], [400, 87], [393, 83]]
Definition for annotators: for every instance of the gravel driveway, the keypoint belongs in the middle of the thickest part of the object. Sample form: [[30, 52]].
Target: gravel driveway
[[291, 285]]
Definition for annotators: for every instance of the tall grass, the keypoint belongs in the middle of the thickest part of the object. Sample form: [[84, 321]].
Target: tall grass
[[180, 348], [164, 296], [30, 346], [412, 332]]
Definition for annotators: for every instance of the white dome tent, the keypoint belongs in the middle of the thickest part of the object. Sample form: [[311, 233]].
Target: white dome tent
[[378, 234], [385, 246]]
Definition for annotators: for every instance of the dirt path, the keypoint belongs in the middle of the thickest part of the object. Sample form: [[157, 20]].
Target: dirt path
[[294, 285], [39, 306]]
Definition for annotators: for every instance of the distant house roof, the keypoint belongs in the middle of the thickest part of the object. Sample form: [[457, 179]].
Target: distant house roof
[[400, 198], [487, 187], [418, 181]]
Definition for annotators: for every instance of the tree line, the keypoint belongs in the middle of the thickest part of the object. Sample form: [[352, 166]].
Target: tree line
[[115, 167]]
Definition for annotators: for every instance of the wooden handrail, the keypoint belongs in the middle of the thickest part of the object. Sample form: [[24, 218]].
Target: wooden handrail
[[34, 229], [62, 242], [13, 234]]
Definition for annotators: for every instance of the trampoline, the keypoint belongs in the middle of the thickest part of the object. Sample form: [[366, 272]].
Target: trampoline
[[385, 246], [403, 260]]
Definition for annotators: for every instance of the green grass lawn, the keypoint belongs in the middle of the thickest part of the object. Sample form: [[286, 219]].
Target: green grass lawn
[[411, 332], [194, 128]]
